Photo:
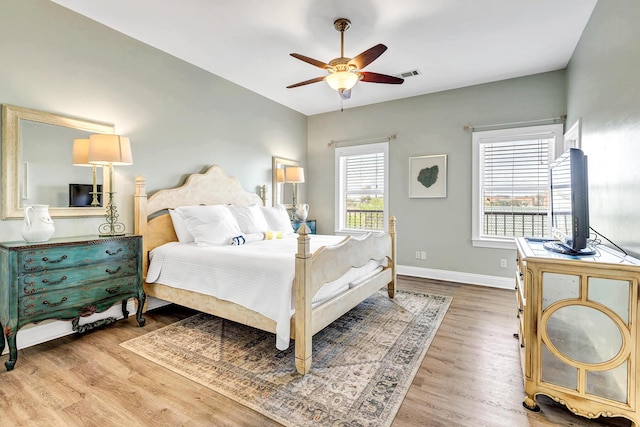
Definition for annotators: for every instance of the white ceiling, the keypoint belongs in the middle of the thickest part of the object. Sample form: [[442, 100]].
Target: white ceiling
[[453, 43]]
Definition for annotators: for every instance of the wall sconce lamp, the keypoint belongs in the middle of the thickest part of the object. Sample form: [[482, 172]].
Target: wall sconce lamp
[[109, 150], [80, 157], [294, 175]]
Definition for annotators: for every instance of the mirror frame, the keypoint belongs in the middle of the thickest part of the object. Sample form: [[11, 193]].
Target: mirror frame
[[11, 116], [275, 161]]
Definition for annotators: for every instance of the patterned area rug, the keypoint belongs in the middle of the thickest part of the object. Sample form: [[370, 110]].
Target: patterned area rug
[[363, 363]]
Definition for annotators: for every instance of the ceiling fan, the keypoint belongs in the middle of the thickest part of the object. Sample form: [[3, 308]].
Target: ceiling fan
[[344, 72]]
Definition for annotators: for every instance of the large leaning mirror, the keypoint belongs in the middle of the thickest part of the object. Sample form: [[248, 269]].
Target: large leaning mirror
[[36, 162], [282, 193]]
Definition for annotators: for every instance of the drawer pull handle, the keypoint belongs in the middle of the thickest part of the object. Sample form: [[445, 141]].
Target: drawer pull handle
[[54, 304], [113, 290], [109, 252], [54, 261], [520, 310], [62, 279], [110, 271]]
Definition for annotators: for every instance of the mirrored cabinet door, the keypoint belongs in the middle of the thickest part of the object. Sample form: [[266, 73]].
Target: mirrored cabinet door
[[580, 337]]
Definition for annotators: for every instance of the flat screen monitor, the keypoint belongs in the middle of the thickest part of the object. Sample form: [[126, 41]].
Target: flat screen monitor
[[570, 204], [80, 195]]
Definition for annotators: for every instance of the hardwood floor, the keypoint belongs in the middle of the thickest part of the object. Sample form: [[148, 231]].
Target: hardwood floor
[[470, 377]]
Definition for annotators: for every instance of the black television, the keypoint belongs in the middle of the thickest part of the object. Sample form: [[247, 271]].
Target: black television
[[80, 195], [569, 192]]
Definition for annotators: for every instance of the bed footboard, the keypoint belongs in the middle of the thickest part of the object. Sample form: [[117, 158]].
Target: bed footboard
[[327, 264]]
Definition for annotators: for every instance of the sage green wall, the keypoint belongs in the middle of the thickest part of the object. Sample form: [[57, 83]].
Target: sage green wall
[[179, 117], [425, 125], [603, 90]]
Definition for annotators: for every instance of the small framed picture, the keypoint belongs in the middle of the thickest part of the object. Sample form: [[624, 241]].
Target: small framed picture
[[428, 176]]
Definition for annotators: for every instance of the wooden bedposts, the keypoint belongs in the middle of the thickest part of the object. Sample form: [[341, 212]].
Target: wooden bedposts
[[391, 287], [140, 218], [302, 289]]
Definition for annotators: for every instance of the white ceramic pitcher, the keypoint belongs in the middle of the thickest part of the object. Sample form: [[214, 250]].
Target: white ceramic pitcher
[[38, 225], [302, 211]]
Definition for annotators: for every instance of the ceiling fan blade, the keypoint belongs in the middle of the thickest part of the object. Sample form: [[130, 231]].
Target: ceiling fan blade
[[368, 56], [311, 61], [380, 78], [345, 94], [306, 82]]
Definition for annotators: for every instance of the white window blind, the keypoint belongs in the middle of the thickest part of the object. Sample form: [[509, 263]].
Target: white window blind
[[361, 187], [515, 188], [511, 183], [364, 174]]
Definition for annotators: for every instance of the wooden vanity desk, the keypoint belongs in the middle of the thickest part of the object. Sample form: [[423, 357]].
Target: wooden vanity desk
[[578, 329]]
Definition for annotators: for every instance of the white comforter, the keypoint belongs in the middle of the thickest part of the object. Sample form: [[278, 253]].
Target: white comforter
[[258, 275]]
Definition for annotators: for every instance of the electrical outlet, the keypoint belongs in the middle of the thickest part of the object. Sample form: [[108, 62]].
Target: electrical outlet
[[417, 254], [503, 263], [423, 254]]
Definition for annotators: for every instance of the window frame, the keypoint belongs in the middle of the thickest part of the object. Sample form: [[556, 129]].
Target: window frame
[[554, 131], [354, 150]]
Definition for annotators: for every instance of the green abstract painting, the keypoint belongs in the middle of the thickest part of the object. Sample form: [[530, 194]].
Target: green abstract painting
[[428, 176]]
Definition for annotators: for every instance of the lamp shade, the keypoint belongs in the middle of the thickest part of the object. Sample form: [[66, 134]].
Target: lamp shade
[[279, 175], [294, 174], [80, 152], [108, 149], [344, 80]]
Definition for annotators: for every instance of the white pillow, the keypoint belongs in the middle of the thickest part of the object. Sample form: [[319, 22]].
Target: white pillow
[[250, 218], [210, 225], [180, 227], [278, 219]]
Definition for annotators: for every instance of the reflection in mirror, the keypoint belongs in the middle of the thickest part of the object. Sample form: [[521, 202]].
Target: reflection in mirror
[[612, 384], [557, 287], [36, 161], [282, 193], [49, 147], [613, 294], [584, 334], [555, 371]]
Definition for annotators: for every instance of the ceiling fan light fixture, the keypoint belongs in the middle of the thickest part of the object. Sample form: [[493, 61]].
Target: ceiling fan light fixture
[[344, 80]]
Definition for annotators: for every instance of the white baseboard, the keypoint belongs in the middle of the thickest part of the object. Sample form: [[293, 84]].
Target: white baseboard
[[153, 303], [457, 276], [37, 334]]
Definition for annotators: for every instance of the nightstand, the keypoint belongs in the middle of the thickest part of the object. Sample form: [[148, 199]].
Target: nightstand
[[67, 278], [311, 223]]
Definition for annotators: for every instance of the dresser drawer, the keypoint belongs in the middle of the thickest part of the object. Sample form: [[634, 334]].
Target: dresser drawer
[[51, 280], [71, 302], [50, 258]]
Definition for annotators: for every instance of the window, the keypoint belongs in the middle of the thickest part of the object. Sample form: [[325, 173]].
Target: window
[[361, 187], [511, 183]]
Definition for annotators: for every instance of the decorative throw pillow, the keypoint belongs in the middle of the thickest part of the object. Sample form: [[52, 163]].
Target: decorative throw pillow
[[180, 227], [278, 219], [210, 225], [250, 218], [271, 235]]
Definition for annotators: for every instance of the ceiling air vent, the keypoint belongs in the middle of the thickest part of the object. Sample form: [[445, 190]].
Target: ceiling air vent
[[407, 74]]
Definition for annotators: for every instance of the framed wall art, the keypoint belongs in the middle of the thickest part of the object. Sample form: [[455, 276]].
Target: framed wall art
[[428, 176]]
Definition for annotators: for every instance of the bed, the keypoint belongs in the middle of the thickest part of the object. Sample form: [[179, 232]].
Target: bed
[[317, 262]]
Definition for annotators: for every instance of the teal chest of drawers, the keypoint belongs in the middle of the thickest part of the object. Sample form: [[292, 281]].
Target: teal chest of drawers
[[67, 278]]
